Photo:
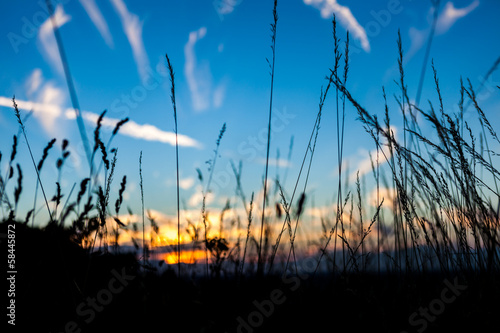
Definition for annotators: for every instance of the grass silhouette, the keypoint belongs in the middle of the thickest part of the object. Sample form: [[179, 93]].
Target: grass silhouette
[[442, 230]]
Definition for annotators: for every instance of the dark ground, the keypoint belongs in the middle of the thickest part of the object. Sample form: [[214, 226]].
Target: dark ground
[[56, 278]]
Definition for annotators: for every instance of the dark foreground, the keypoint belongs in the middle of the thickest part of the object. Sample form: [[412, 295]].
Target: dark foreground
[[59, 288]]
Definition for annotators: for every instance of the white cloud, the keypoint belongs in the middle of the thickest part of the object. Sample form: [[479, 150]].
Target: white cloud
[[49, 109], [320, 212], [196, 200], [225, 7], [199, 78], [34, 81], [219, 94], [282, 163], [100, 23], [50, 95], [446, 19], [364, 166], [388, 194], [450, 15], [345, 17], [46, 101], [43, 109], [186, 183], [133, 30], [46, 107], [417, 40], [198, 87], [47, 39], [145, 132]]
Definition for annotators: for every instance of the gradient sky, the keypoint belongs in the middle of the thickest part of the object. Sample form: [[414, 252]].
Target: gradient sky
[[116, 53]]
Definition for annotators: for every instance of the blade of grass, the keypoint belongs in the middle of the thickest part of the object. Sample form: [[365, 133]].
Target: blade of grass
[[69, 81], [273, 48], [172, 97]]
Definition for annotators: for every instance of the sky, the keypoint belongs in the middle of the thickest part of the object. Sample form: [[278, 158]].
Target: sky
[[116, 54]]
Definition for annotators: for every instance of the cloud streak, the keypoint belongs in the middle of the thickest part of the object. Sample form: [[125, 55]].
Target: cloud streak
[[100, 23], [144, 132], [451, 14], [446, 19], [186, 183], [199, 79], [34, 81], [46, 98], [131, 129], [364, 166], [282, 163], [133, 30], [48, 41], [40, 108], [329, 7]]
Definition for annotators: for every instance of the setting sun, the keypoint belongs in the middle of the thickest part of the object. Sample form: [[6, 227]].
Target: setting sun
[[187, 257]]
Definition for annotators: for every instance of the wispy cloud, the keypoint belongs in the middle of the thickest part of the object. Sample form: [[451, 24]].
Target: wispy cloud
[[46, 108], [388, 194], [100, 23], [218, 95], [144, 132], [364, 165], [45, 101], [47, 39], [345, 17], [199, 88], [446, 19], [50, 95], [225, 7], [199, 78], [450, 15], [132, 27], [34, 81], [49, 109], [418, 37], [42, 109], [196, 198], [186, 183], [282, 163], [417, 40]]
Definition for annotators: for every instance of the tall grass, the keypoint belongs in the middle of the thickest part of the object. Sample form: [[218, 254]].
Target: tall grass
[[271, 65], [69, 82], [172, 97], [442, 217], [21, 125], [444, 193], [443, 214]]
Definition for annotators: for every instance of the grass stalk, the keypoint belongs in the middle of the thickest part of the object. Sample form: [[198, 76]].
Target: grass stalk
[[69, 81], [172, 97], [142, 211], [19, 120], [273, 48]]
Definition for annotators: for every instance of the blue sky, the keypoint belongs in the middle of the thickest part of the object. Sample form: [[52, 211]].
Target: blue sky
[[116, 53]]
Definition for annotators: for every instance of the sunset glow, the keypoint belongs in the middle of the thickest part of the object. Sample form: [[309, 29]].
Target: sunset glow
[[187, 257]]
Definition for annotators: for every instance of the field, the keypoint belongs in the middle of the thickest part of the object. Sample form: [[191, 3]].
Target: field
[[422, 257]]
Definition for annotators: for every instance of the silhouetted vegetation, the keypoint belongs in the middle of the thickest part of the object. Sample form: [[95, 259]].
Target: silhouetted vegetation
[[431, 242]]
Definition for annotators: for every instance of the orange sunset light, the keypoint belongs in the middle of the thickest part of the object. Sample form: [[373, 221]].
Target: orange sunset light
[[187, 257]]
